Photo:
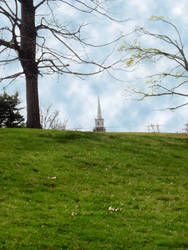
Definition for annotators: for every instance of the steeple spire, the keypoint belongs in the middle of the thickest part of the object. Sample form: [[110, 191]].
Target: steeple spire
[[99, 121], [99, 116]]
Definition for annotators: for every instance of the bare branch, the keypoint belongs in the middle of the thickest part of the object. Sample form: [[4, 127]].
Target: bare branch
[[39, 4], [50, 118], [170, 82], [178, 106], [11, 76]]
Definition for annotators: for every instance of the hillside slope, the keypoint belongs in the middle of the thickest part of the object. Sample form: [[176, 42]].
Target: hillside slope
[[78, 190]]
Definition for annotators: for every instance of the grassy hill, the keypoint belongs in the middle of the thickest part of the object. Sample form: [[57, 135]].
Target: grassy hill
[[78, 190]]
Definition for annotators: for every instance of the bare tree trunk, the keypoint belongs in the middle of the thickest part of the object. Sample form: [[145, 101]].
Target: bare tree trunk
[[28, 60], [33, 117]]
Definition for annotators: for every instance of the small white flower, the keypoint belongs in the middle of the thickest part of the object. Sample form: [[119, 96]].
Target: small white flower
[[113, 209], [53, 177], [73, 214]]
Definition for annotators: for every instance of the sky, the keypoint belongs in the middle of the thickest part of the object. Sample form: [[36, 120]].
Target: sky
[[76, 98]]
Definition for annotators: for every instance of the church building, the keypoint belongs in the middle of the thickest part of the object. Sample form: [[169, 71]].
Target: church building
[[99, 121]]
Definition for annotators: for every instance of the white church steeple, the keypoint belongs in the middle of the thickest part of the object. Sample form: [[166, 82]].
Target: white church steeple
[[99, 116], [99, 121]]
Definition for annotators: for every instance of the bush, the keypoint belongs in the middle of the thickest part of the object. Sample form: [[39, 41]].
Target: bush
[[9, 113]]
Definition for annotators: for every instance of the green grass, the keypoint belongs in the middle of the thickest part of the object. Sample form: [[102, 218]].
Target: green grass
[[142, 177]]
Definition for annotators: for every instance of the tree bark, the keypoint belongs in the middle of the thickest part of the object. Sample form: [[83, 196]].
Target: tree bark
[[33, 114], [27, 57]]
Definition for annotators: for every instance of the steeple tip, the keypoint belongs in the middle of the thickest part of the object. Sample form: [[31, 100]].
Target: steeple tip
[[99, 115], [99, 121]]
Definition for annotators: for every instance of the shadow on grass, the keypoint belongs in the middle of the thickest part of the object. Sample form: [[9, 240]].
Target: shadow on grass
[[70, 136]]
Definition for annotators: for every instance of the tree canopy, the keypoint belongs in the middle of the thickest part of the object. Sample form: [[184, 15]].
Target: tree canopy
[[169, 80], [10, 116]]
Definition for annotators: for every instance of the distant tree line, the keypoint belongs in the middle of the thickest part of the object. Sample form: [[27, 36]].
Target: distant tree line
[[10, 116]]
